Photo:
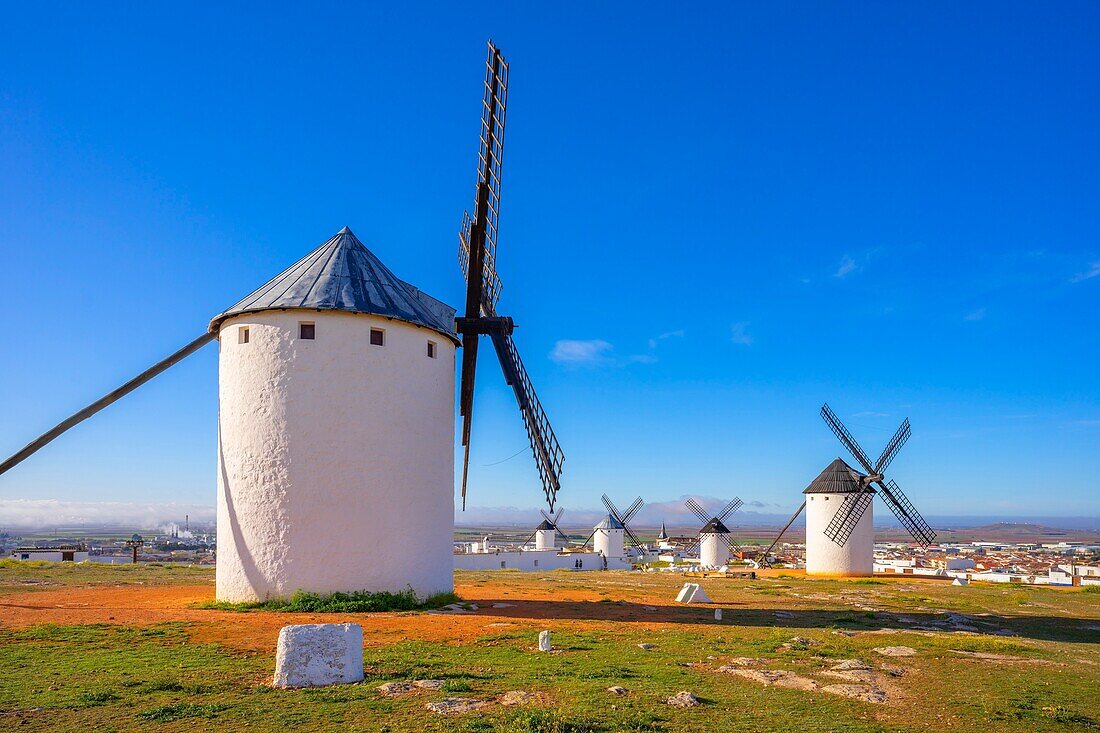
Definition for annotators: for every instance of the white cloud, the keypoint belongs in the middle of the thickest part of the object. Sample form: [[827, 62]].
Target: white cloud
[[679, 333], [975, 315], [847, 266], [1093, 271], [592, 351], [739, 334], [35, 513]]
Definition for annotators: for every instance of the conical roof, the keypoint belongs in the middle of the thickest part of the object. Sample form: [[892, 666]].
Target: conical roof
[[343, 275], [714, 526], [838, 478], [663, 535], [545, 525], [609, 522]]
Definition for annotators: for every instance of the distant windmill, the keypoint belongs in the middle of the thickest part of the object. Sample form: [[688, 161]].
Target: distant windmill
[[336, 410], [608, 536], [545, 534], [839, 523], [715, 539]]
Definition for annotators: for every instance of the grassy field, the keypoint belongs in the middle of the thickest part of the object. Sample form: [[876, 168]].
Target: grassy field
[[985, 658]]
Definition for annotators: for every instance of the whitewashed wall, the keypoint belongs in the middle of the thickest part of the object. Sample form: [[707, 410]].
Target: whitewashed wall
[[335, 457], [526, 561], [825, 557]]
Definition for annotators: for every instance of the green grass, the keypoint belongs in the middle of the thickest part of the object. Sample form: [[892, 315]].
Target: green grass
[[157, 677], [358, 602]]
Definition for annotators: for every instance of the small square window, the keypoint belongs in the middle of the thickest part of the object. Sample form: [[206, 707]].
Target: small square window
[[377, 337], [431, 349], [307, 331], [242, 335]]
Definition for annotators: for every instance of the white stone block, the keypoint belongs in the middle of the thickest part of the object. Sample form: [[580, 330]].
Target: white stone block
[[718, 614], [544, 641], [314, 655], [692, 593]]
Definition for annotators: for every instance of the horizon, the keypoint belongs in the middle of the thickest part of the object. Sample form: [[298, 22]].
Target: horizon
[[696, 262]]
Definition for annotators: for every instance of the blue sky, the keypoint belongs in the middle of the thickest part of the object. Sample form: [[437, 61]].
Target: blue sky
[[713, 220]]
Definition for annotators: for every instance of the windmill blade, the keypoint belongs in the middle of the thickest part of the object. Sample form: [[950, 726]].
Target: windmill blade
[[585, 543], [528, 540], [694, 548], [696, 509], [466, 402], [614, 510], [548, 454], [633, 509], [845, 437], [477, 249], [847, 516], [733, 544], [893, 447], [730, 508], [783, 531], [907, 514], [47, 437], [633, 537]]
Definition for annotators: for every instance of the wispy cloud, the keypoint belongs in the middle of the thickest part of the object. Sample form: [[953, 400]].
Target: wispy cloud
[[975, 315], [847, 267], [870, 413], [33, 513], [592, 351], [1091, 272], [679, 333], [739, 334]]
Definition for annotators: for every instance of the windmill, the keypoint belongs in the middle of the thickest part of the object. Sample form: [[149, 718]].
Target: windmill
[[607, 536], [477, 255], [715, 539], [849, 527], [545, 534], [336, 410]]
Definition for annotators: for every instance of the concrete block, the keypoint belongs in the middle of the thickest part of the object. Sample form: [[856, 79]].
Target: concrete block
[[544, 641], [315, 655]]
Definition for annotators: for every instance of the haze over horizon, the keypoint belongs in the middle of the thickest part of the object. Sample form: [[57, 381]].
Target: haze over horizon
[[695, 261]]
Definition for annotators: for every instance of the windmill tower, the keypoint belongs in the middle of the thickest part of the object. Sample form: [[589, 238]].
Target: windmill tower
[[546, 533], [839, 507], [336, 410], [715, 539], [336, 383], [608, 537]]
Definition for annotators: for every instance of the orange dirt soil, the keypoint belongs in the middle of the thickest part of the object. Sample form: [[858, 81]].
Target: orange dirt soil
[[259, 630], [531, 607]]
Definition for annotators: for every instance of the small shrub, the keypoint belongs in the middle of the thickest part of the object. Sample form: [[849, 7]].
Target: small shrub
[[95, 699], [456, 686], [1091, 589], [356, 602]]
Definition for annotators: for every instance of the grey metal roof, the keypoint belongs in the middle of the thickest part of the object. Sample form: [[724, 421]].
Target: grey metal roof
[[609, 522], [838, 478], [343, 275], [715, 526]]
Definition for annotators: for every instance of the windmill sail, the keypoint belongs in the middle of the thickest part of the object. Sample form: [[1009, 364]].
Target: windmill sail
[[906, 513], [41, 441], [847, 516], [477, 255]]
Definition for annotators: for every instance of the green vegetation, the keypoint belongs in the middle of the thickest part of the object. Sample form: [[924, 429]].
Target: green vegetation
[[358, 602], [165, 677]]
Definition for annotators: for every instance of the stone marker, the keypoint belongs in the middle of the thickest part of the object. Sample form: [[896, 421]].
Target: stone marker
[[692, 593], [314, 655], [544, 641], [718, 614], [683, 700]]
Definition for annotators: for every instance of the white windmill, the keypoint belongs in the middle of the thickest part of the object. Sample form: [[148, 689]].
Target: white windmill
[[715, 539], [840, 536], [336, 410], [608, 537], [546, 533]]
